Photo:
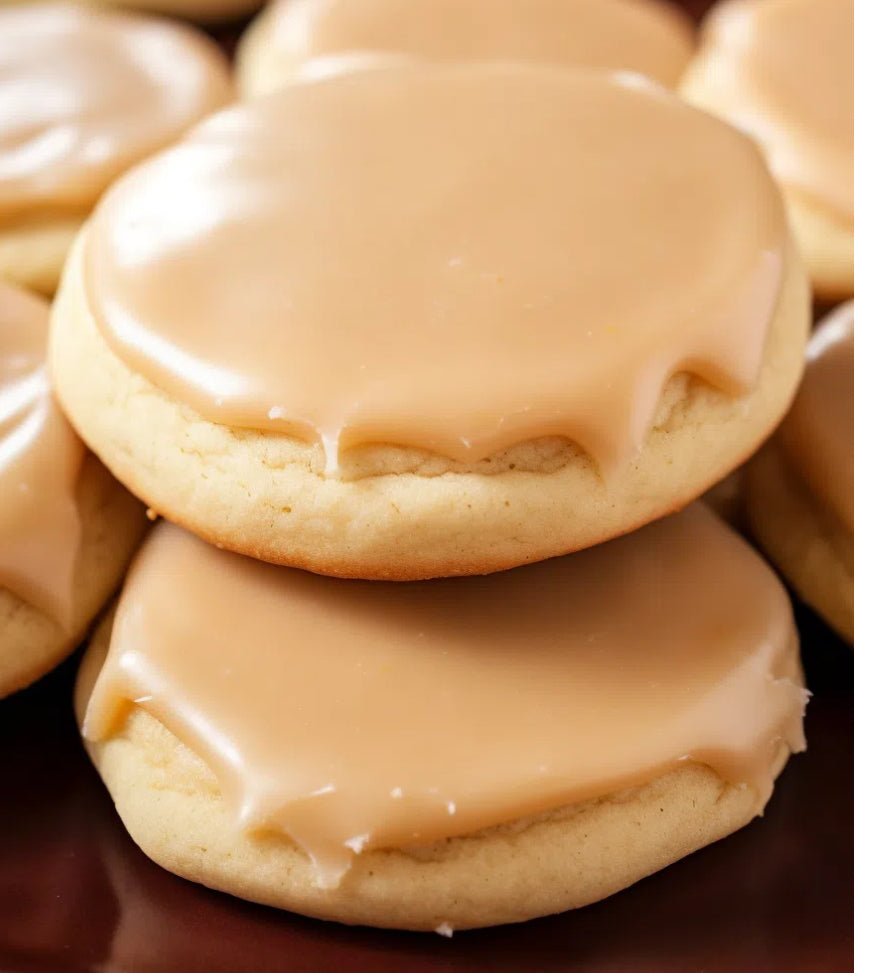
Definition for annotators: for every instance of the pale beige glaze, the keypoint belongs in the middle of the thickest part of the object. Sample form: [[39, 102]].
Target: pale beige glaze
[[86, 93], [361, 715], [646, 36], [40, 460], [817, 436], [454, 258]]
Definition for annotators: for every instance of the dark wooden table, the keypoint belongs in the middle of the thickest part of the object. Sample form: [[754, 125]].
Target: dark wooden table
[[77, 895]]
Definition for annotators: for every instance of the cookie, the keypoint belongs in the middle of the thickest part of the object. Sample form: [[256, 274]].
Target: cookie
[[90, 93], [67, 529], [800, 488], [445, 754], [457, 318], [644, 36], [783, 71]]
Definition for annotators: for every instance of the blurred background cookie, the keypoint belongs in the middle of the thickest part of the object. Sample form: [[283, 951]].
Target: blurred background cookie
[[800, 487], [783, 71], [647, 36], [84, 94], [446, 754], [67, 529]]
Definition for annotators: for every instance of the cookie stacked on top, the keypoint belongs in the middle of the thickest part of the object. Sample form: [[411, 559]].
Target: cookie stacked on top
[[418, 358]]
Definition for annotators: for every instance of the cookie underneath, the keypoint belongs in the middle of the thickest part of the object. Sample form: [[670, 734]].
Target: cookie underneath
[[170, 803]]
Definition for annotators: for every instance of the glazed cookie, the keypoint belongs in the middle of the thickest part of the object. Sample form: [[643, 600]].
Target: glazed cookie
[[567, 727], [800, 488], [457, 319], [646, 36], [84, 95], [783, 70], [67, 529]]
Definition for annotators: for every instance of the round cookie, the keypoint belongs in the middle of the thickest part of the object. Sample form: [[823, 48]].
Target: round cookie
[[89, 93], [783, 71], [497, 318], [568, 727], [800, 487], [645, 36], [67, 529]]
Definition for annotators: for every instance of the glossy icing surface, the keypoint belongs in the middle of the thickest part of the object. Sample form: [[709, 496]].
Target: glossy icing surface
[[558, 242]]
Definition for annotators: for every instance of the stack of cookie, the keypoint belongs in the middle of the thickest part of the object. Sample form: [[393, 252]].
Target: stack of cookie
[[399, 350]]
